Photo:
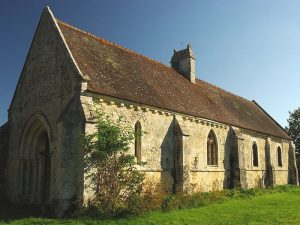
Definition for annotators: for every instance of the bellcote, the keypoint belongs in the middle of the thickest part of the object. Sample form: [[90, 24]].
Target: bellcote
[[183, 61]]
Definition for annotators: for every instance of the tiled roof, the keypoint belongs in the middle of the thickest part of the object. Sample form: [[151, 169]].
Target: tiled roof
[[121, 73]]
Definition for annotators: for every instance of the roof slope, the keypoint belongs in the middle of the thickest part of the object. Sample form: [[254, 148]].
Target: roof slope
[[121, 73]]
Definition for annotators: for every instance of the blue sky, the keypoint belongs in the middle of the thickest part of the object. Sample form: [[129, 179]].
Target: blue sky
[[249, 47]]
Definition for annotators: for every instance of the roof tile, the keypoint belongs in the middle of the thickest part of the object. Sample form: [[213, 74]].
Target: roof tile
[[122, 73]]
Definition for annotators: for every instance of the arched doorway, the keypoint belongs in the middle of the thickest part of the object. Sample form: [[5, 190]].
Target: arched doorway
[[35, 162]]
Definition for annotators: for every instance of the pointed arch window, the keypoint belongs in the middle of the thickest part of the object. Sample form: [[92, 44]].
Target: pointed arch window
[[254, 154], [212, 149], [279, 156], [138, 141]]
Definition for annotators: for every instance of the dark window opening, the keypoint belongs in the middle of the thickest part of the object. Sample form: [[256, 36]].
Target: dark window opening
[[254, 154], [138, 141], [212, 149], [279, 156]]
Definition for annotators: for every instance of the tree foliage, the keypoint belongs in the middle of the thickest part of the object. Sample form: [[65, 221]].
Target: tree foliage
[[293, 128], [109, 168]]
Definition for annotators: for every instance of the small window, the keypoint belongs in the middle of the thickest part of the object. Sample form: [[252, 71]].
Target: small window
[[254, 154], [138, 141], [279, 156], [212, 149]]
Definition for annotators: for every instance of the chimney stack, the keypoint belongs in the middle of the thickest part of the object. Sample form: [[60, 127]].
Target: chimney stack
[[183, 61]]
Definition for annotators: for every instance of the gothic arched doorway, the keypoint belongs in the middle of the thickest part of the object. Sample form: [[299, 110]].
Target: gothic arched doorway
[[35, 162]]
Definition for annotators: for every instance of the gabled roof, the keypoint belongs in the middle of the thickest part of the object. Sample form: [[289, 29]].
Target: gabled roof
[[121, 73]]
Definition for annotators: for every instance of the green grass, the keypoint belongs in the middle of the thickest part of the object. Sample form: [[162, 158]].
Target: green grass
[[271, 208]]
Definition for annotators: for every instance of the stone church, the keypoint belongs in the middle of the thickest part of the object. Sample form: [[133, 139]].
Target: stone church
[[195, 135]]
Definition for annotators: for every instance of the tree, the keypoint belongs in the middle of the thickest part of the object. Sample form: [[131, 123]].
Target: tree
[[111, 170], [293, 128]]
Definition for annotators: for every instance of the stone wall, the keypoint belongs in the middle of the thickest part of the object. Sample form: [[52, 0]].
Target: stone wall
[[256, 175], [158, 145], [49, 86]]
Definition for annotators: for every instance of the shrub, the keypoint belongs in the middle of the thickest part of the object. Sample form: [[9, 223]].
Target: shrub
[[151, 198], [110, 170]]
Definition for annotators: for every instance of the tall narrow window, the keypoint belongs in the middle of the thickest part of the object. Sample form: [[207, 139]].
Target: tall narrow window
[[138, 141], [254, 154], [212, 149], [279, 157]]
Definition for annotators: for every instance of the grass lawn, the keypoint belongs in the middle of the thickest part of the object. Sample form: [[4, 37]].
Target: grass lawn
[[272, 208]]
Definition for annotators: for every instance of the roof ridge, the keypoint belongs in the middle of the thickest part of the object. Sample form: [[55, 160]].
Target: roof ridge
[[104, 41], [207, 100]]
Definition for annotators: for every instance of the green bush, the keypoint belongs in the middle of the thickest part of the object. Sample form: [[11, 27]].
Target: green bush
[[109, 168], [150, 199]]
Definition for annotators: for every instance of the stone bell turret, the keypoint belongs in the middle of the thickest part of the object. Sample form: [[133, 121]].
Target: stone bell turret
[[183, 61]]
